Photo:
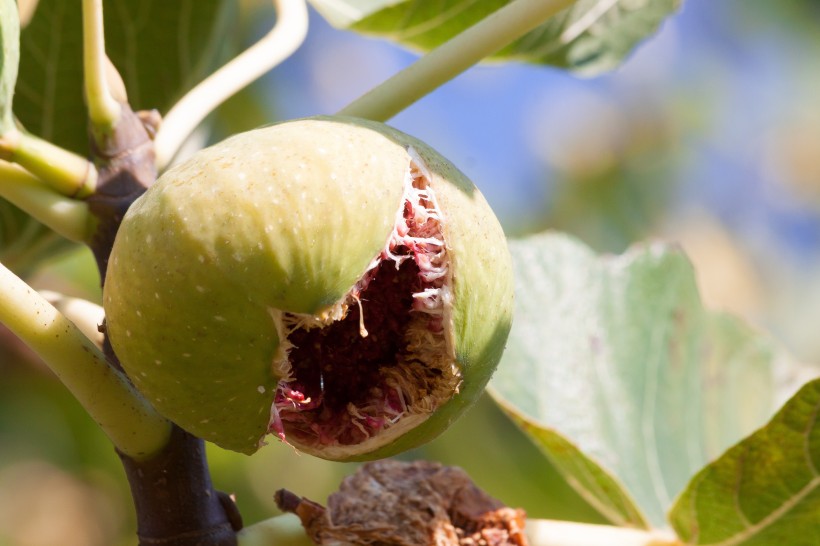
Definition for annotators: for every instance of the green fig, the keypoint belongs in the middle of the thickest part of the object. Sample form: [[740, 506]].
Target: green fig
[[331, 281]]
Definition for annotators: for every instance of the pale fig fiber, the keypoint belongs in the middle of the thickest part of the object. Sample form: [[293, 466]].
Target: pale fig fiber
[[330, 281]]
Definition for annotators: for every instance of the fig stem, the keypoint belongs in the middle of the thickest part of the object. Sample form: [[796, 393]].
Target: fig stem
[[284, 38], [134, 427], [542, 532], [101, 79], [282, 530], [66, 172], [68, 217], [452, 58], [86, 315]]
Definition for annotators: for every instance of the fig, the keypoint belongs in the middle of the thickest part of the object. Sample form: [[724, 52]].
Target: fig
[[331, 281]]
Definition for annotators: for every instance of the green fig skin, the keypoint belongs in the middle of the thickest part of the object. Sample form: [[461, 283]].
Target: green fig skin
[[285, 218]]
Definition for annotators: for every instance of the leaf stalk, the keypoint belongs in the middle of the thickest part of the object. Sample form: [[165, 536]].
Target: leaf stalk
[[453, 57], [134, 427], [66, 172], [284, 38], [103, 108], [68, 217]]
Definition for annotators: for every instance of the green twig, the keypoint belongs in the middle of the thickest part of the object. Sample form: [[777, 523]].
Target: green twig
[[453, 57], [134, 427], [284, 38], [103, 109], [66, 172], [85, 314], [68, 217]]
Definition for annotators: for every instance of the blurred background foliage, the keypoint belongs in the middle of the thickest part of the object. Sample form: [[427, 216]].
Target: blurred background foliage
[[709, 135]]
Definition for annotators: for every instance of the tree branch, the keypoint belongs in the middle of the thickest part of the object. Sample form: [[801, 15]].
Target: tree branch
[[175, 502]]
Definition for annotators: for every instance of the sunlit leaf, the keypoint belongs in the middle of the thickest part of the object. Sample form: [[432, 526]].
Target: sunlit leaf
[[590, 36], [617, 358], [763, 491], [597, 486]]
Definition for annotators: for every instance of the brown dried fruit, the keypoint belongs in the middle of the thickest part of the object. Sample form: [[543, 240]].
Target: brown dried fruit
[[391, 503]]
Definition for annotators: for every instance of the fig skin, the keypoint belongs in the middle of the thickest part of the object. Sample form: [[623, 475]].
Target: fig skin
[[286, 217]]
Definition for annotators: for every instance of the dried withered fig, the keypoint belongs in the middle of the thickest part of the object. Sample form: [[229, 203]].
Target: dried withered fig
[[408, 504], [330, 280]]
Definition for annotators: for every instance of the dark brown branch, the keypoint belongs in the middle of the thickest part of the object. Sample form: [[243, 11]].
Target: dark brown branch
[[175, 501], [125, 165]]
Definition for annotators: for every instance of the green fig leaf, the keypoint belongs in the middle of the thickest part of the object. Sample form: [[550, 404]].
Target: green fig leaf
[[763, 491], [593, 483], [161, 49], [616, 358], [590, 36], [9, 60]]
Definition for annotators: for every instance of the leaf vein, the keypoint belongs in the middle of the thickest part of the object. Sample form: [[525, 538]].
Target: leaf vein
[[585, 22], [443, 16], [775, 515], [648, 417]]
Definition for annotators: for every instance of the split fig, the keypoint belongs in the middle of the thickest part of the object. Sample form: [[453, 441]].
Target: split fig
[[331, 281]]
